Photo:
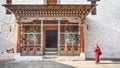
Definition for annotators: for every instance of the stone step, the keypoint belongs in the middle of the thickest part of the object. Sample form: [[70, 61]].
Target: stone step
[[50, 49], [50, 52], [50, 57]]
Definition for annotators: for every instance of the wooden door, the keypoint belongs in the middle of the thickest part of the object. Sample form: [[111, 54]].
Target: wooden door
[[51, 38]]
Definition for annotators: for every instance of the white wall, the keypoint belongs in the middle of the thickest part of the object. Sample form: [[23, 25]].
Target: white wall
[[74, 2], [104, 28], [7, 22], [27, 1]]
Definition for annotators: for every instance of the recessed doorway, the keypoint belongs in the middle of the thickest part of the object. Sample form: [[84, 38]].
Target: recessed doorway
[[51, 38]]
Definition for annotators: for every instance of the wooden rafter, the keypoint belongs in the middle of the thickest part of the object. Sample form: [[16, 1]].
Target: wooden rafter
[[50, 10]]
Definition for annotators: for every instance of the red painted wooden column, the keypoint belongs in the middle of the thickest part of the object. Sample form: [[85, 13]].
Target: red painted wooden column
[[18, 36], [82, 37]]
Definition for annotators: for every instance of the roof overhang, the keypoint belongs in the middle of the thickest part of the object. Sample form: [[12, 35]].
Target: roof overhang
[[50, 10]]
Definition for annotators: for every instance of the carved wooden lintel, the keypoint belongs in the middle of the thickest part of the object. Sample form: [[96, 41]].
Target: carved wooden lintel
[[50, 10]]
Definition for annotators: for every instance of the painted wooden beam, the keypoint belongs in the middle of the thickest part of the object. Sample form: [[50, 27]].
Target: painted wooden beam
[[50, 24], [50, 10]]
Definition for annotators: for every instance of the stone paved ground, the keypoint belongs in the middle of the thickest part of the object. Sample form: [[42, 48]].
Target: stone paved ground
[[60, 64]]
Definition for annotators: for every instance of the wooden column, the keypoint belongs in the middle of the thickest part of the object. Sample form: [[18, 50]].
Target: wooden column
[[58, 36], [82, 36], [18, 37], [42, 36]]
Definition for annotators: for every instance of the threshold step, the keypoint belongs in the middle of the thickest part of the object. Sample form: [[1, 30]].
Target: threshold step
[[51, 52], [50, 56], [51, 49]]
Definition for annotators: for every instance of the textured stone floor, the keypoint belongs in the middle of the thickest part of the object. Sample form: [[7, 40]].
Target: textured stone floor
[[60, 64], [40, 64]]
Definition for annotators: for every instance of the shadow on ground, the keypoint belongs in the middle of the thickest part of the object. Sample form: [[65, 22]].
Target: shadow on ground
[[111, 62], [40, 64]]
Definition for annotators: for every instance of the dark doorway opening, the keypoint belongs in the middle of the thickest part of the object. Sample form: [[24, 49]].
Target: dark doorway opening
[[51, 38]]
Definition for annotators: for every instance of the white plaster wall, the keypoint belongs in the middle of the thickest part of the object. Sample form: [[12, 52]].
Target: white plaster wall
[[7, 37], [104, 28], [74, 2], [24, 1], [28, 1]]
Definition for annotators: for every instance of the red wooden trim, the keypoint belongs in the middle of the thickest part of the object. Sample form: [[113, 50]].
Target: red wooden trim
[[69, 44], [18, 39], [31, 44], [68, 24], [31, 24], [82, 38], [50, 24]]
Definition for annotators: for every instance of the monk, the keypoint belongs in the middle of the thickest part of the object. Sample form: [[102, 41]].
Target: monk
[[97, 52]]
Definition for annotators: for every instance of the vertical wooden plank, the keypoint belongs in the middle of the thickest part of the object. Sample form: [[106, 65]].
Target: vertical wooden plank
[[58, 36], [79, 37], [18, 38], [42, 36], [82, 37]]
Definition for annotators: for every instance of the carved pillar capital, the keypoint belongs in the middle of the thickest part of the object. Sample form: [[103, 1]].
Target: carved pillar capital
[[18, 19]]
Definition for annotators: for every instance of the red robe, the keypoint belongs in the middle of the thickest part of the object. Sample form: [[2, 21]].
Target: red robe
[[97, 54]]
